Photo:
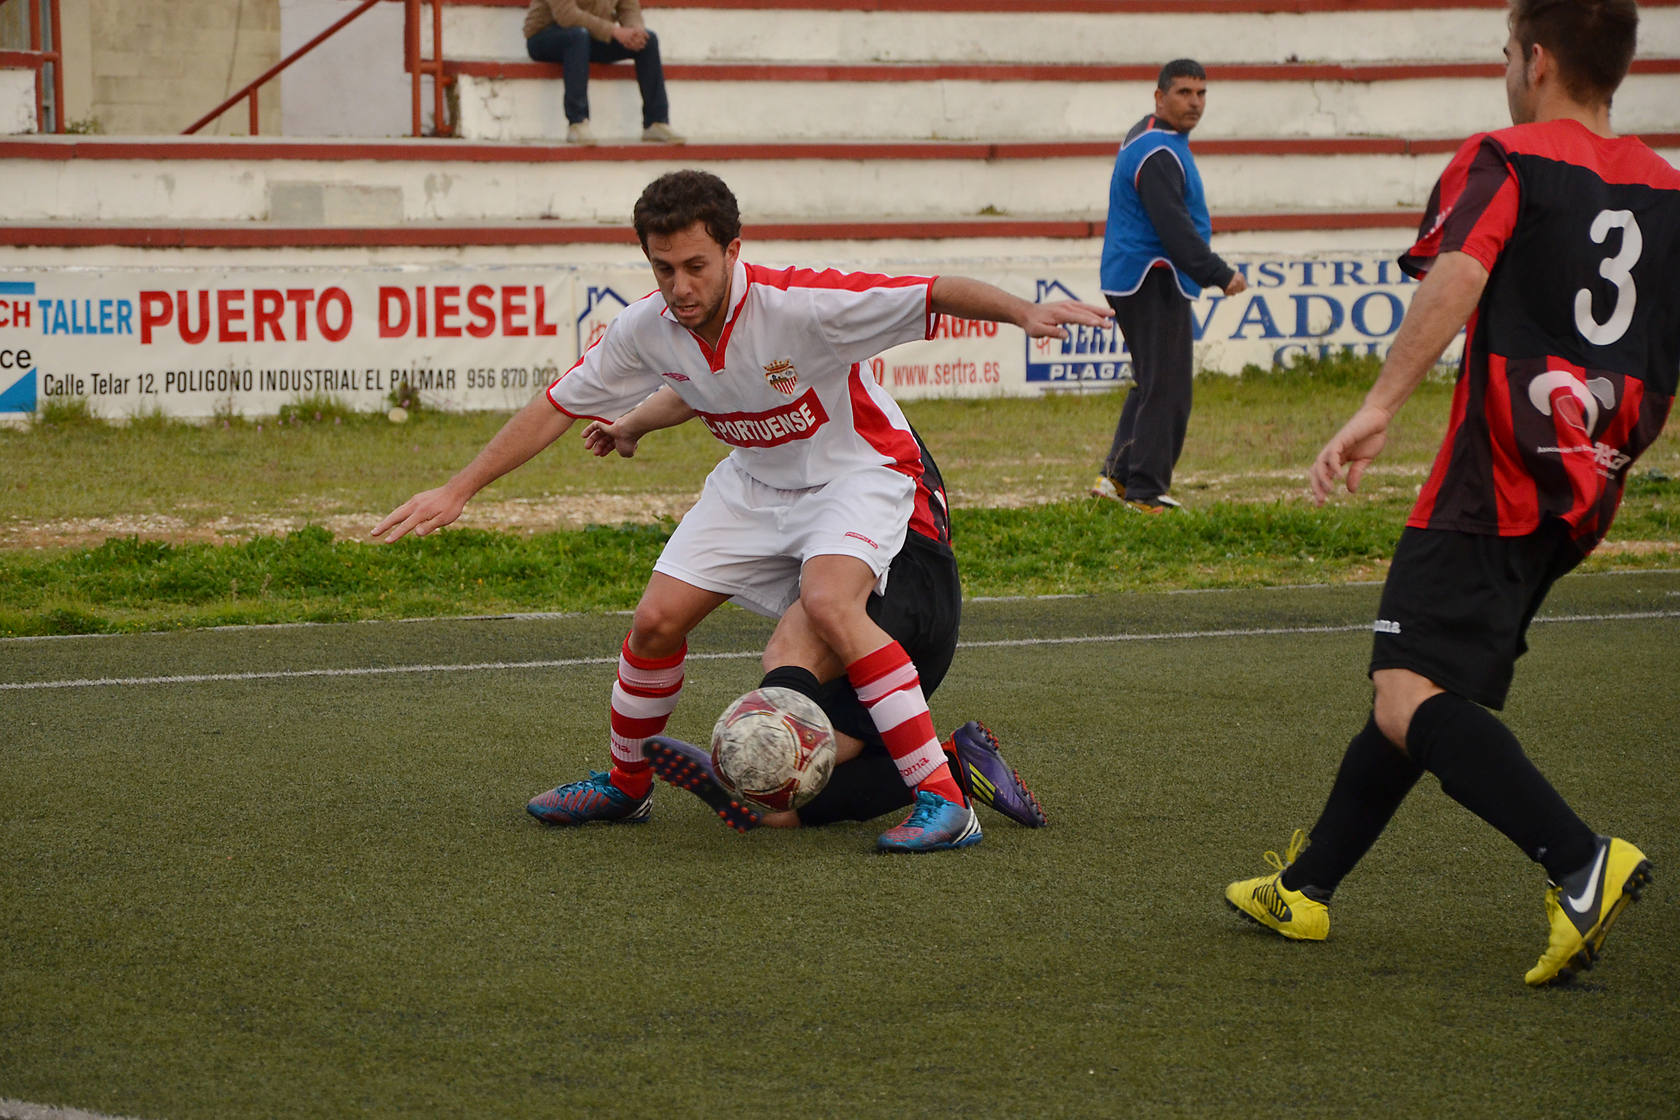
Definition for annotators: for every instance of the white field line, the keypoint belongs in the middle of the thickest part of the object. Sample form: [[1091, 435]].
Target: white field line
[[578, 662], [540, 616]]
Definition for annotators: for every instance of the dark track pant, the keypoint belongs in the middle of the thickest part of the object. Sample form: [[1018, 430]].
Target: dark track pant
[[574, 49], [1155, 321]]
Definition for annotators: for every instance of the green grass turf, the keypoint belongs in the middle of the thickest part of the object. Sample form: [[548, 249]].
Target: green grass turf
[[319, 896]]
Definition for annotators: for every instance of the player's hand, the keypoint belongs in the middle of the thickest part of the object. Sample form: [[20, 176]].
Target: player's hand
[[1237, 284], [1351, 449], [630, 38], [603, 439], [1044, 320], [427, 510]]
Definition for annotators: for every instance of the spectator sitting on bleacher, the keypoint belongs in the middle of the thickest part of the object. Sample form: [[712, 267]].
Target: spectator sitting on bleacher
[[575, 33]]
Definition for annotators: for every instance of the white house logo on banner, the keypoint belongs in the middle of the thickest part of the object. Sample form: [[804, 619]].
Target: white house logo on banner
[[600, 305], [1092, 355]]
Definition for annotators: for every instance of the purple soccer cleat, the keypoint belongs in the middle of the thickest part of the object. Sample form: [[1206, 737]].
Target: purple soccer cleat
[[688, 767], [989, 779]]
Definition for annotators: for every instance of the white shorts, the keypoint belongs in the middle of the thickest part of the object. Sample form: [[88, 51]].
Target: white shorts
[[749, 541]]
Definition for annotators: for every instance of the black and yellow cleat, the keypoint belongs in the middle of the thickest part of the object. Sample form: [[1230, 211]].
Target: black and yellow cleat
[[1581, 909], [1267, 901]]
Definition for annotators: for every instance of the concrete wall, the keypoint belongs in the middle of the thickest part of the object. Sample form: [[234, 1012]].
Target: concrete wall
[[353, 84], [159, 65]]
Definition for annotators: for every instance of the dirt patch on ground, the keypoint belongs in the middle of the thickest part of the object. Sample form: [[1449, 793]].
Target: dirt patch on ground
[[532, 515]]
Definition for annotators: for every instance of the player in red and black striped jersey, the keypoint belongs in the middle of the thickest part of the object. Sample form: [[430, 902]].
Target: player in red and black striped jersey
[[1556, 244]]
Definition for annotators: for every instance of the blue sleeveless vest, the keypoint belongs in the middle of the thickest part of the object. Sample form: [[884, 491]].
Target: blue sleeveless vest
[[1130, 246]]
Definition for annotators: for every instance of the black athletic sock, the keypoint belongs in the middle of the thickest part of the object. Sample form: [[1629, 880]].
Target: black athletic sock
[[1483, 768], [796, 677], [1375, 776]]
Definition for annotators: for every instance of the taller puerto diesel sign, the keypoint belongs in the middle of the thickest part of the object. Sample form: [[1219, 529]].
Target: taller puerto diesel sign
[[201, 342]]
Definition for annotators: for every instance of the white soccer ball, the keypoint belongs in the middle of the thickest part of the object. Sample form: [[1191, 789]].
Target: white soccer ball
[[774, 748]]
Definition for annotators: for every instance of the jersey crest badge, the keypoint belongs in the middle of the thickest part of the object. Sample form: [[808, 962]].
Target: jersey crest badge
[[782, 376]]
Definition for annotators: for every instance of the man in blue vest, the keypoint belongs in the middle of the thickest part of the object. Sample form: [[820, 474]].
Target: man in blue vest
[[1156, 260]]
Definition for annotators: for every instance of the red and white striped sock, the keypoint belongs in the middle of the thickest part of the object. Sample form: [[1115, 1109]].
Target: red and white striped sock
[[887, 683], [643, 697]]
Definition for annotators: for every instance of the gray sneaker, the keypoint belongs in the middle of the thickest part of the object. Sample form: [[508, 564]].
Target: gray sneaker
[[579, 133], [661, 133]]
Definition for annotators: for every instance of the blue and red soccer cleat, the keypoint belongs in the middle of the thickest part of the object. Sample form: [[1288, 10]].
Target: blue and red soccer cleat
[[934, 825], [688, 767], [593, 799], [990, 780]]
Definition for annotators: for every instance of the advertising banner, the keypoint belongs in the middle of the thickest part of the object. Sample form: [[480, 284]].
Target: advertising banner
[[206, 342]]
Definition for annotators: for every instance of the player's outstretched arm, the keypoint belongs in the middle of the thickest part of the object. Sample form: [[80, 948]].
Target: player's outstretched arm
[[1443, 304], [661, 409], [967, 298], [527, 432]]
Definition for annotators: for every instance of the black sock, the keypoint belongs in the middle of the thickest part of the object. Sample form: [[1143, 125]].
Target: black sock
[[1483, 768], [1375, 776], [796, 677]]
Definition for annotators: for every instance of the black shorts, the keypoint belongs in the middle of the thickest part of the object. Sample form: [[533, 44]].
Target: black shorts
[[921, 610], [1456, 606]]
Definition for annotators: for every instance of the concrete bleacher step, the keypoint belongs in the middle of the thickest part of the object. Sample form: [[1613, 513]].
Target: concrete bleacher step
[[350, 182], [860, 119], [987, 31], [76, 190], [741, 70], [735, 102]]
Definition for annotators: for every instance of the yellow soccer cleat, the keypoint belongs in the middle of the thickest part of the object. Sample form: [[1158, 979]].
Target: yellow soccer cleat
[[1581, 908], [1267, 901]]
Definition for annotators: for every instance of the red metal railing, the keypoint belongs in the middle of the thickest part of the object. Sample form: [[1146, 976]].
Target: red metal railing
[[40, 57], [417, 66]]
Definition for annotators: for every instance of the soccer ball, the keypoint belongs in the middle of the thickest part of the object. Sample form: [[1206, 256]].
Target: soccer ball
[[773, 747]]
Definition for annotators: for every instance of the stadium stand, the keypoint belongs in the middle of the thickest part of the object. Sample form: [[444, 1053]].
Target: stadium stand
[[970, 123]]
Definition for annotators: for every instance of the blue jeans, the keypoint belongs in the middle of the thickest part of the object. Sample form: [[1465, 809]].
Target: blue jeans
[[574, 49]]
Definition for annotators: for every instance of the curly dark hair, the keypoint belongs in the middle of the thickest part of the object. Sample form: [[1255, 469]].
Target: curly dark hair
[[1592, 40], [678, 199]]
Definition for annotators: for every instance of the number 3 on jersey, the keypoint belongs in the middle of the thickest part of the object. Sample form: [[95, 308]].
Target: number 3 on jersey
[[1618, 270]]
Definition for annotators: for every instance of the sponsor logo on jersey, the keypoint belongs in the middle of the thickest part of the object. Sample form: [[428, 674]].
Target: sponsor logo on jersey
[[782, 376], [1574, 401], [859, 536], [796, 420], [674, 375], [1385, 626], [1582, 404]]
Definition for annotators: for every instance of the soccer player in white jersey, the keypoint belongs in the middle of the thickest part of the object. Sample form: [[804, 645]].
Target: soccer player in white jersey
[[800, 522]]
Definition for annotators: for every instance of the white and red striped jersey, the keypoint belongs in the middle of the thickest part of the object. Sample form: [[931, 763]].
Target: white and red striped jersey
[[785, 387]]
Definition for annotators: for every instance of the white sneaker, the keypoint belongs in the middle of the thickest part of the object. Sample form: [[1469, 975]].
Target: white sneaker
[[661, 133], [1104, 487], [579, 133]]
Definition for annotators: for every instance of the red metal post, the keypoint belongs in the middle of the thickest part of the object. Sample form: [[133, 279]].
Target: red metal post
[[35, 46], [411, 57], [57, 56], [254, 115], [438, 125]]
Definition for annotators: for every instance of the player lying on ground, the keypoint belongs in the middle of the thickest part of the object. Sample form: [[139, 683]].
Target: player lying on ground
[[1559, 244], [802, 519], [921, 609]]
